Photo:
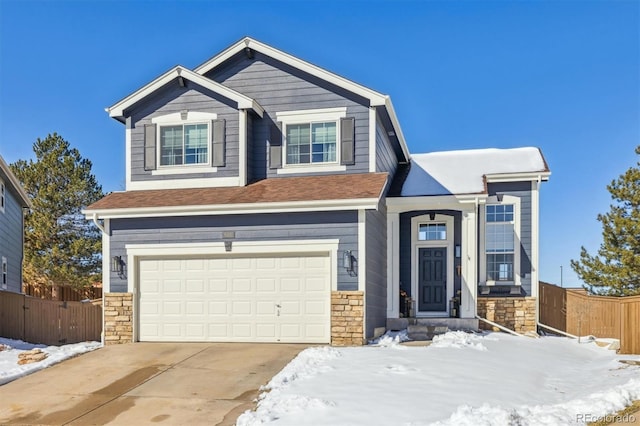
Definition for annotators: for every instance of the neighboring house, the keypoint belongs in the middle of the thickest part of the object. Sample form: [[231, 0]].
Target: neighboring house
[[13, 201], [269, 200]]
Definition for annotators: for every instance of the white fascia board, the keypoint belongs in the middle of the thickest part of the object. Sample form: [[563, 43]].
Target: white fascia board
[[517, 177], [15, 183], [244, 102], [245, 208], [374, 97], [454, 202], [396, 126]]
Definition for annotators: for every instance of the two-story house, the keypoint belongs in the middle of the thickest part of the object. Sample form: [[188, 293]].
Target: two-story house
[[13, 201], [270, 200]]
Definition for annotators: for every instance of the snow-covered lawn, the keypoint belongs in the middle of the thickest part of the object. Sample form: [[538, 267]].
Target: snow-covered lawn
[[10, 370], [460, 379]]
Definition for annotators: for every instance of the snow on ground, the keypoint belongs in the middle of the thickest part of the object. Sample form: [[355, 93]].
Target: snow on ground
[[10, 370], [460, 379]]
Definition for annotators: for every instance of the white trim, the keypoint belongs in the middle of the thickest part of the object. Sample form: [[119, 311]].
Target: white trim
[[106, 256], [373, 122], [517, 177], [535, 237], [416, 245], [362, 250], [140, 185], [4, 274], [117, 110], [469, 264], [506, 199], [127, 151], [192, 117], [441, 202], [312, 168], [310, 116], [242, 148], [393, 265], [396, 126], [243, 208], [183, 170]]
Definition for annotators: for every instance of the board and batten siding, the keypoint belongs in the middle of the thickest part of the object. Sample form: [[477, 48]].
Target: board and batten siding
[[278, 87], [376, 267], [260, 227], [523, 191], [386, 159], [172, 99], [11, 228]]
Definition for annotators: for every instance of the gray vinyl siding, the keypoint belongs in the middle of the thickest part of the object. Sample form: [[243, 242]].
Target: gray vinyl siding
[[523, 191], [386, 159], [376, 283], [11, 229], [260, 227], [405, 246], [278, 87], [171, 99]]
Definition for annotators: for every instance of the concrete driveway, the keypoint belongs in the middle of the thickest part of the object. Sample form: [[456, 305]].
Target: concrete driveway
[[147, 383]]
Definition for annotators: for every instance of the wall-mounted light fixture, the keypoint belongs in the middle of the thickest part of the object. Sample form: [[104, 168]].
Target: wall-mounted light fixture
[[347, 261], [116, 264]]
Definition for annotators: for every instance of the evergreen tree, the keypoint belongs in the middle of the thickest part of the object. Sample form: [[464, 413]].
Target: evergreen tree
[[615, 271], [61, 246]]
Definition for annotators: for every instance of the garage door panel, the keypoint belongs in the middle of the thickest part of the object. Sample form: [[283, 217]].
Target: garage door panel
[[243, 299]]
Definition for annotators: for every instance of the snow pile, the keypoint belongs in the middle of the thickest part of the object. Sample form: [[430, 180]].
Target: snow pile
[[10, 370], [459, 339], [391, 338], [461, 379]]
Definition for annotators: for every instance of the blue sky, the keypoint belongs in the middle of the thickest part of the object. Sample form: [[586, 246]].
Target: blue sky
[[563, 76]]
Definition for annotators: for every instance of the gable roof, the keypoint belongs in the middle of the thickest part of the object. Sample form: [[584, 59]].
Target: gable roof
[[331, 192], [11, 181], [375, 98], [468, 171], [244, 102]]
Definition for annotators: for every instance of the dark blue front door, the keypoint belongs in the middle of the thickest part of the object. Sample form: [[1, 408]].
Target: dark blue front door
[[432, 279]]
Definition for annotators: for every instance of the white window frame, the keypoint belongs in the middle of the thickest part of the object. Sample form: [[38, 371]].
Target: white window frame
[[5, 273], [311, 116], [175, 119], [506, 199], [3, 197]]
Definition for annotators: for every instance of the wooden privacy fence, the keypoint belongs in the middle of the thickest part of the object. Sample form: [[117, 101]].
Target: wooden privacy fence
[[47, 321], [575, 312], [62, 292]]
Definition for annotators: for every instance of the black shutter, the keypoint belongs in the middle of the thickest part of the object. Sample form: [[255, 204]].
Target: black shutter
[[149, 146], [347, 141], [275, 146], [218, 143]]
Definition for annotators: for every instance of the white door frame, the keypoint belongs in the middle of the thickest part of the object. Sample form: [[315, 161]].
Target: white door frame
[[416, 245]]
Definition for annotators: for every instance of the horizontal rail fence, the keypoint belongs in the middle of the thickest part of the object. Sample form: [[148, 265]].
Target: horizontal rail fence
[[49, 322], [575, 312]]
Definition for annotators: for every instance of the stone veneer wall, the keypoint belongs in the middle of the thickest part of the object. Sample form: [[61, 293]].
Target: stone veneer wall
[[118, 318], [347, 318], [515, 313]]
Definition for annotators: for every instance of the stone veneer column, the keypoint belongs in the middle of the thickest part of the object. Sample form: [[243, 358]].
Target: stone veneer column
[[118, 318], [515, 313], [347, 318]]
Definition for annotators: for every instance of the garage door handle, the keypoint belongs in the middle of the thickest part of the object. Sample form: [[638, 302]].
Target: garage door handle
[[278, 306]]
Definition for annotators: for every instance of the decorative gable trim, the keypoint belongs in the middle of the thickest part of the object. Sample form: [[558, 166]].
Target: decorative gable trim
[[244, 102]]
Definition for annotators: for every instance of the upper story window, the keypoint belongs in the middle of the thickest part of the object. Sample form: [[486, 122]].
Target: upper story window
[[184, 144], [432, 231], [2, 196], [4, 273], [313, 140], [311, 143], [500, 242]]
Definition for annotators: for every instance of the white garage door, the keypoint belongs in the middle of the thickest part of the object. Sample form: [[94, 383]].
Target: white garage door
[[239, 299]]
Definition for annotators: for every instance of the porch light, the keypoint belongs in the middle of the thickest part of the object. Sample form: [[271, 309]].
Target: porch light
[[458, 251], [347, 261], [116, 264]]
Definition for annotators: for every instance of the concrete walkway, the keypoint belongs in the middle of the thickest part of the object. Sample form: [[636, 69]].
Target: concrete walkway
[[145, 383]]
